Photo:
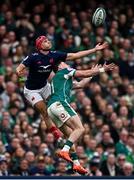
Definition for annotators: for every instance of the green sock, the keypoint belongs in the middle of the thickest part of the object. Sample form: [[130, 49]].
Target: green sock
[[67, 146], [75, 158], [69, 143]]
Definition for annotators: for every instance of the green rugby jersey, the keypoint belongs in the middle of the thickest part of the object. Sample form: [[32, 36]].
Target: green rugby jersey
[[61, 86]]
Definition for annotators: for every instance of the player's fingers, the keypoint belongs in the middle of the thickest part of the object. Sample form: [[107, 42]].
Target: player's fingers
[[105, 63], [98, 44], [92, 66], [97, 66], [105, 44], [100, 66], [112, 64]]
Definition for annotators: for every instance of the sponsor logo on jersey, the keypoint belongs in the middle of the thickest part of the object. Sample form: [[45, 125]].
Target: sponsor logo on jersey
[[58, 104], [53, 51], [63, 116], [66, 76], [70, 69], [44, 69], [35, 54]]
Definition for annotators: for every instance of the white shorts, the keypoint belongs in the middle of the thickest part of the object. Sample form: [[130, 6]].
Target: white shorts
[[60, 113], [34, 96]]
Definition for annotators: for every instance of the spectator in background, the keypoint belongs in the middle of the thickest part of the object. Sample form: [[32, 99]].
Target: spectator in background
[[61, 168], [39, 168], [94, 166], [121, 159], [128, 169], [10, 88], [2, 148], [30, 157], [121, 147], [4, 169], [109, 166], [23, 169]]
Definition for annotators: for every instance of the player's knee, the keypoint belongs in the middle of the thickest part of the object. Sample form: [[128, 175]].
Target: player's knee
[[43, 112], [45, 115], [41, 108], [81, 130]]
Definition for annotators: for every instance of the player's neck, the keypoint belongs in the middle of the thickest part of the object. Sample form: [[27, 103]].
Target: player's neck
[[44, 52], [60, 68]]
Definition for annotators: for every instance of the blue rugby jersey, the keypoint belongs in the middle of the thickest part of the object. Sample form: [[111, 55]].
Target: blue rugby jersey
[[40, 67]]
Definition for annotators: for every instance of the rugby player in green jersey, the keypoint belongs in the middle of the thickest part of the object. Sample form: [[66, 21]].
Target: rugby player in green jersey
[[62, 114]]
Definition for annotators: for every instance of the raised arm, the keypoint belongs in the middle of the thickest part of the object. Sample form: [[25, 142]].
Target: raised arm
[[80, 54], [94, 70]]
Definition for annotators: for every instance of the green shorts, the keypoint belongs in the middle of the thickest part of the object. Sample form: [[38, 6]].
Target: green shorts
[[60, 112]]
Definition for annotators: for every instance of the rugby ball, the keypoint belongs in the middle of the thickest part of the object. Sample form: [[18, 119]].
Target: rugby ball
[[99, 16]]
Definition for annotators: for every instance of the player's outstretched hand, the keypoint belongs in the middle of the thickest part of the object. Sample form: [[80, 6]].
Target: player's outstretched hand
[[96, 67], [110, 67], [100, 46]]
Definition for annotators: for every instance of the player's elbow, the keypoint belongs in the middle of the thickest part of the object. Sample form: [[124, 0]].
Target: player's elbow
[[82, 130], [78, 85], [71, 56]]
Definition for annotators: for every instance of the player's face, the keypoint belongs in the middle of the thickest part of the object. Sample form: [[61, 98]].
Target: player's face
[[46, 44]]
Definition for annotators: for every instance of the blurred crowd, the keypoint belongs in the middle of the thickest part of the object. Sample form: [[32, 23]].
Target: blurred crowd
[[105, 105]]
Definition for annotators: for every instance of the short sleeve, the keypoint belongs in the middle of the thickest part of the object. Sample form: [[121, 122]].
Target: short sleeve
[[59, 56], [70, 72], [26, 61]]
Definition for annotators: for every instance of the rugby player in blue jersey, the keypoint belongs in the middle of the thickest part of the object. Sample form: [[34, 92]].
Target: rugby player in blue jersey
[[40, 64]]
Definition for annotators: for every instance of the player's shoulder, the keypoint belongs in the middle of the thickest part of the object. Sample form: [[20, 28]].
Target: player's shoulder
[[68, 72], [53, 52], [34, 54], [31, 55], [56, 52], [70, 69]]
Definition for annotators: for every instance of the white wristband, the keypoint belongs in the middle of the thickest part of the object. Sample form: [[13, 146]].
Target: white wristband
[[101, 70]]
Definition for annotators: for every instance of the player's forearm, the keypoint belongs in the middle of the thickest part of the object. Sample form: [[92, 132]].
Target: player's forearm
[[84, 81], [88, 73], [80, 54]]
